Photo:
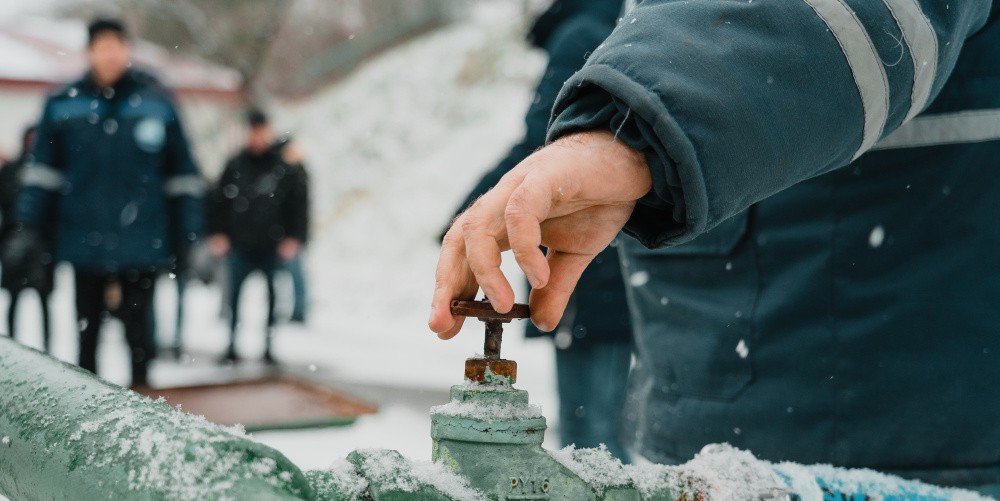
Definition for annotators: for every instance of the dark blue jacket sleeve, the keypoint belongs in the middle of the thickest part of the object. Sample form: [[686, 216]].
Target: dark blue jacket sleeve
[[183, 185], [41, 177], [733, 101]]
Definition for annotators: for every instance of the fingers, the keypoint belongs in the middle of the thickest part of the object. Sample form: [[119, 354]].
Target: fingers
[[528, 206], [482, 253], [451, 280], [549, 302], [485, 237]]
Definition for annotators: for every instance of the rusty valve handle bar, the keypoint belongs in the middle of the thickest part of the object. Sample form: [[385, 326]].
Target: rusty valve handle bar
[[494, 321]]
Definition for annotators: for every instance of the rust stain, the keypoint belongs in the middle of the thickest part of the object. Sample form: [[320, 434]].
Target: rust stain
[[475, 369]]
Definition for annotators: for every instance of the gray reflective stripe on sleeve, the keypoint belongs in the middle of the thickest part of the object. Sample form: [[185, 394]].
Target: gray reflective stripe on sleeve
[[41, 176], [865, 63], [188, 184], [970, 126], [923, 44]]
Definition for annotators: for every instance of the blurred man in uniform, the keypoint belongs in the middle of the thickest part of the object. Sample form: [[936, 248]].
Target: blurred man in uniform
[[258, 217], [112, 176], [37, 272]]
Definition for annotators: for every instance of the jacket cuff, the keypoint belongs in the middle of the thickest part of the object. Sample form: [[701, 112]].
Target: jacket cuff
[[601, 97]]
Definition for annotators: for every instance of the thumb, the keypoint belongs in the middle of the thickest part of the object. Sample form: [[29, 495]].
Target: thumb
[[549, 303]]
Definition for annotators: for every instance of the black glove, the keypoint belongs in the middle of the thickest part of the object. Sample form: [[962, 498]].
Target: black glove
[[201, 264], [26, 256]]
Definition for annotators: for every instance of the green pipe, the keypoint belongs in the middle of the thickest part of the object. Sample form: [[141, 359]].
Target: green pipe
[[65, 434]]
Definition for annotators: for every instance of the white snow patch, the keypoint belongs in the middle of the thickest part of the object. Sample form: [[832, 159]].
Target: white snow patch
[[596, 466], [638, 279], [185, 458], [650, 478], [390, 470], [741, 349], [719, 472], [340, 478], [488, 411], [876, 237], [723, 472], [801, 481]]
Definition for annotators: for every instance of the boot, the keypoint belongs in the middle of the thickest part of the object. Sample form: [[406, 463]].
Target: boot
[[268, 356], [230, 358]]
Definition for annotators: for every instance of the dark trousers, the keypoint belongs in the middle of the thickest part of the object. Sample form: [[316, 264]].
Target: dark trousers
[[177, 343], [301, 297], [591, 380], [134, 312], [15, 296], [241, 266]]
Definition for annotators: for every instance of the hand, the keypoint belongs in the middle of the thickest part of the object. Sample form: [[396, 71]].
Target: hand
[[289, 248], [218, 245], [292, 154], [572, 196]]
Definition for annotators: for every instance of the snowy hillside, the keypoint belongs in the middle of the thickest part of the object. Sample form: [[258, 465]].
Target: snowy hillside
[[392, 149]]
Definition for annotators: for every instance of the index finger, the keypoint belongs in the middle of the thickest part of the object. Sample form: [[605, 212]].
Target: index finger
[[452, 280]]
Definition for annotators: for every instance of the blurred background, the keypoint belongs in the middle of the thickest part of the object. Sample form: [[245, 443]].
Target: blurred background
[[398, 107]]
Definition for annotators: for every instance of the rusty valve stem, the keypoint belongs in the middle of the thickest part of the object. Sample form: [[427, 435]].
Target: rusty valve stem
[[476, 368]]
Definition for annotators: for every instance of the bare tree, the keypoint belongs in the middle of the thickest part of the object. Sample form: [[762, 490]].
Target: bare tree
[[287, 47], [235, 33]]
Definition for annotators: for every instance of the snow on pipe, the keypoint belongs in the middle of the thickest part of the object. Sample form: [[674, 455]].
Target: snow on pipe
[[65, 432]]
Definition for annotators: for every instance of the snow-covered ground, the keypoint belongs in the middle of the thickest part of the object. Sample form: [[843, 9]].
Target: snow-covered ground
[[392, 149]]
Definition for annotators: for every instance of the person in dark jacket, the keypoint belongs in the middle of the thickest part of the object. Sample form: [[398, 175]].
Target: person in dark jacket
[[810, 185], [38, 274], [258, 217], [593, 340], [111, 174]]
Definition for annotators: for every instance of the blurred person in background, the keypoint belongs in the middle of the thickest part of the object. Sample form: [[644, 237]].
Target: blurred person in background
[[111, 172], [37, 274], [593, 340], [258, 218]]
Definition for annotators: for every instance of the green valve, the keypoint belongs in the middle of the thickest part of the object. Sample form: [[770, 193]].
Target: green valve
[[487, 445]]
